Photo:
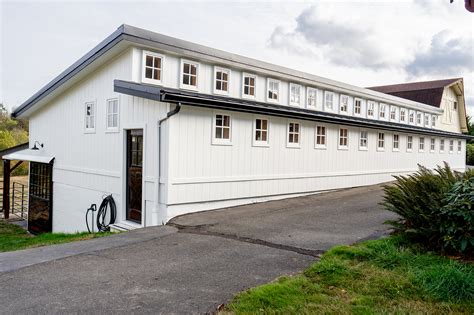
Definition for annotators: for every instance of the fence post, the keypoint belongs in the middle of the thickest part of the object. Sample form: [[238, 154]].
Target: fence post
[[6, 189]]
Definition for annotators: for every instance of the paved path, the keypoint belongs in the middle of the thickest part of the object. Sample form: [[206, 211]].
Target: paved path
[[192, 267]]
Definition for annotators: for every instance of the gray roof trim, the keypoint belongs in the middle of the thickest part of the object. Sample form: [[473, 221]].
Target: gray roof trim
[[158, 93], [14, 149]]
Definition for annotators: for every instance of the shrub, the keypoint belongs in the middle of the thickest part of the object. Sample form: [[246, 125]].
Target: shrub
[[432, 206], [470, 154]]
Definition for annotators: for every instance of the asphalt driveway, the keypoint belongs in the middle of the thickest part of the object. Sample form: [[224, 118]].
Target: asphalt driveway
[[194, 264]]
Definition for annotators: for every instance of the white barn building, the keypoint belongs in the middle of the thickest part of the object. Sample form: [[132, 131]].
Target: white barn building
[[171, 127]]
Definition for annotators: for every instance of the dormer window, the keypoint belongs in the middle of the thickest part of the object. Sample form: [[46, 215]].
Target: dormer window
[[248, 84], [418, 118], [427, 120], [152, 67], [189, 74], [295, 94], [433, 121], [393, 113], [328, 100], [221, 80], [412, 118], [382, 111], [311, 96], [370, 108], [403, 115], [357, 106], [273, 87], [344, 101]]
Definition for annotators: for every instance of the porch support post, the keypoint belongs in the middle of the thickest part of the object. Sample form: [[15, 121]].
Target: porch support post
[[6, 189]]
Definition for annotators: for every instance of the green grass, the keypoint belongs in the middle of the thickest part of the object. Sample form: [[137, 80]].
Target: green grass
[[13, 237], [387, 276]]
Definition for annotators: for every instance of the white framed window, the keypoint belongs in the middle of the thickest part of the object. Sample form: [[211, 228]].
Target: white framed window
[[381, 141], [409, 143], [418, 118], [293, 138], [421, 144], [412, 118], [451, 146], [222, 125], [89, 117], [343, 103], [328, 100], [320, 137], [432, 144], [295, 94], [249, 82], [363, 140], [459, 146], [357, 106], [152, 67], [311, 97], [221, 80], [441, 145], [433, 121], [273, 90], [343, 138], [260, 132], [382, 111], [393, 113], [396, 142], [370, 108], [403, 115], [427, 120], [189, 74], [112, 114]]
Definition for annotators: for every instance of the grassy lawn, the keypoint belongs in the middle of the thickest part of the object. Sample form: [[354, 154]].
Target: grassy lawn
[[13, 237], [385, 276]]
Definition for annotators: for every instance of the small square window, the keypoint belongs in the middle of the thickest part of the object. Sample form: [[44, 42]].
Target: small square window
[[189, 74], [363, 140], [295, 94], [311, 97], [396, 142], [328, 100], [273, 89], [293, 139], [222, 129], [152, 67], [249, 82], [343, 138], [89, 121], [320, 142], [112, 114], [357, 106], [221, 80], [459, 146], [381, 141], [260, 132]]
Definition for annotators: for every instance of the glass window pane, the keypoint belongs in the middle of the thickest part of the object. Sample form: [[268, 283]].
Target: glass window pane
[[226, 133], [186, 68], [193, 69], [193, 81], [227, 121], [149, 61]]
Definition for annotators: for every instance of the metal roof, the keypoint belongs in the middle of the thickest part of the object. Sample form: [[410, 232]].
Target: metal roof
[[158, 41], [163, 94]]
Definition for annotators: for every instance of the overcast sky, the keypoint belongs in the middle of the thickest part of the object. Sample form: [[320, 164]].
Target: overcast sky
[[364, 43]]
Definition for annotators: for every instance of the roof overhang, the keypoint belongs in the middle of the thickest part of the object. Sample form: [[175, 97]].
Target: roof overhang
[[30, 156], [234, 104], [458, 88]]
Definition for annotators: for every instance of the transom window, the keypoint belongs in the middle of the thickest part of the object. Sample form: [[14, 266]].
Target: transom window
[[441, 145], [189, 74], [295, 94], [343, 138], [312, 94], [396, 142], [90, 117], [432, 144], [402, 115], [152, 67], [409, 143], [381, 141], [382, 111], [273, 90], [320, 137], [112, 113], [248, 85], [363, 139], [261, 131], [293, 134], [370, 108], [451, 145], [222, 129], [393, 113], [344, 101], [357, 106], [221, 84], [328, 100], [422, 144]]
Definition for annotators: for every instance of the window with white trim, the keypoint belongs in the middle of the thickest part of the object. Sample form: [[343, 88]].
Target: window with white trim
[[248, 85], [451, 146], [459, 146], [189, 74], [221, 80], [89, 120], [152, 67], [222, 129], [412, 118], [343, 138], [344, 103], [370, 108], [260, 132], [357, 106], [328, 100], [112, 114], [433, 121], [382, 111], [311, 97], [427, 120], [381, 141], [418, 118], [295, 94], [393, 113], [403, 115], [293, 134], [273, 90], [432, 144], [320, 137], [441, 145], [421, 144], [409, 143], [396, 142], [363, 140]]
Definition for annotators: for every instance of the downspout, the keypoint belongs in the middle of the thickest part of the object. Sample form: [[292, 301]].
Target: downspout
[[158, 173]]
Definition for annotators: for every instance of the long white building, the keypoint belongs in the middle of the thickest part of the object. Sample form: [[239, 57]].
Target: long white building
[[170, 127]]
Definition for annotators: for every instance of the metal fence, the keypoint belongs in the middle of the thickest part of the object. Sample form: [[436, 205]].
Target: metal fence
[[18, 200]]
